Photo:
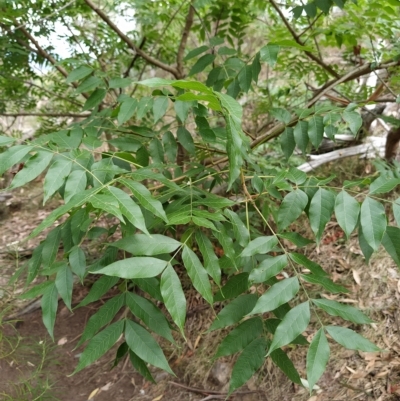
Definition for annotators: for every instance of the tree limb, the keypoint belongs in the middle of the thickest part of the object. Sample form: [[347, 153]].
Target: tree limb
[[129, 42], [185, 36], [326, 67]]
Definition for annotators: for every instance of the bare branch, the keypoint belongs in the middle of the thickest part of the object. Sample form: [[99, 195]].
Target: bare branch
[[185, 36], [135, 57], [326, 67], [129, 42]]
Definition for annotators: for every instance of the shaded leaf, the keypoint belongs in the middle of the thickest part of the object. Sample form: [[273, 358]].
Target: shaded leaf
[[144, 346], [373, 222], [234, 311], [100, 344]]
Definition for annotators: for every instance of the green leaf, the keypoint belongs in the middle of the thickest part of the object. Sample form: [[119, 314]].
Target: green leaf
[[151, 285], [269, 54], [129, 208], [256, 67], [281, 114], [94, 99], [77, 261], [89, 84], [317, 357], [241, 232], [49, 305], [170, 146], [141, 244], [350, 339], [100, 344], [347, 210], [145, 198], [391, 242], [202, 63], [268, 268], [185, 139], [234, 311], [76, 201], [245, 77], [277, 295], [13, 156], [197, 274], [109, 204], [373, 222], [136, 267], [311, 11], [396, 210], [249, 361], [291, 208], [287, 142], [325, 6], [151, 316], [155, 82], [144, 346], [104, 315], [50, 246], [34, 264], [195, 52], [383, 184], [260, 245], [296, 176], [36, 290], [33, 167], [6, 140], [127, 110], [292, 325], [235, 286], [320, 211], [76, 183], [64, 284], [55, 177], [210, 259], [316, 130], [182, 109], [121, 352], [283, 362], [353, 119], [160, 107], [99, 288], [116, 83], [325, 282], [315, 268], [301, 135], [141, 366], [240, 337], [78, 74], [365, 247], [346, 312], [173, 296], [296, 239]]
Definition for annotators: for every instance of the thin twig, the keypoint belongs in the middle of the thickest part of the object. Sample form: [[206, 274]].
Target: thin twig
[[326, 67], [145, 56], [185, 36]]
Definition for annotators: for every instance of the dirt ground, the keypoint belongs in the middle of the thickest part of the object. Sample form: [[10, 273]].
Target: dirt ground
[[30, 362]]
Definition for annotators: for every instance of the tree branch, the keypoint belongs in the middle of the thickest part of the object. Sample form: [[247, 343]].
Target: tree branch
[[185, 36], [129, 42], [326, 67], [135, 57]]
